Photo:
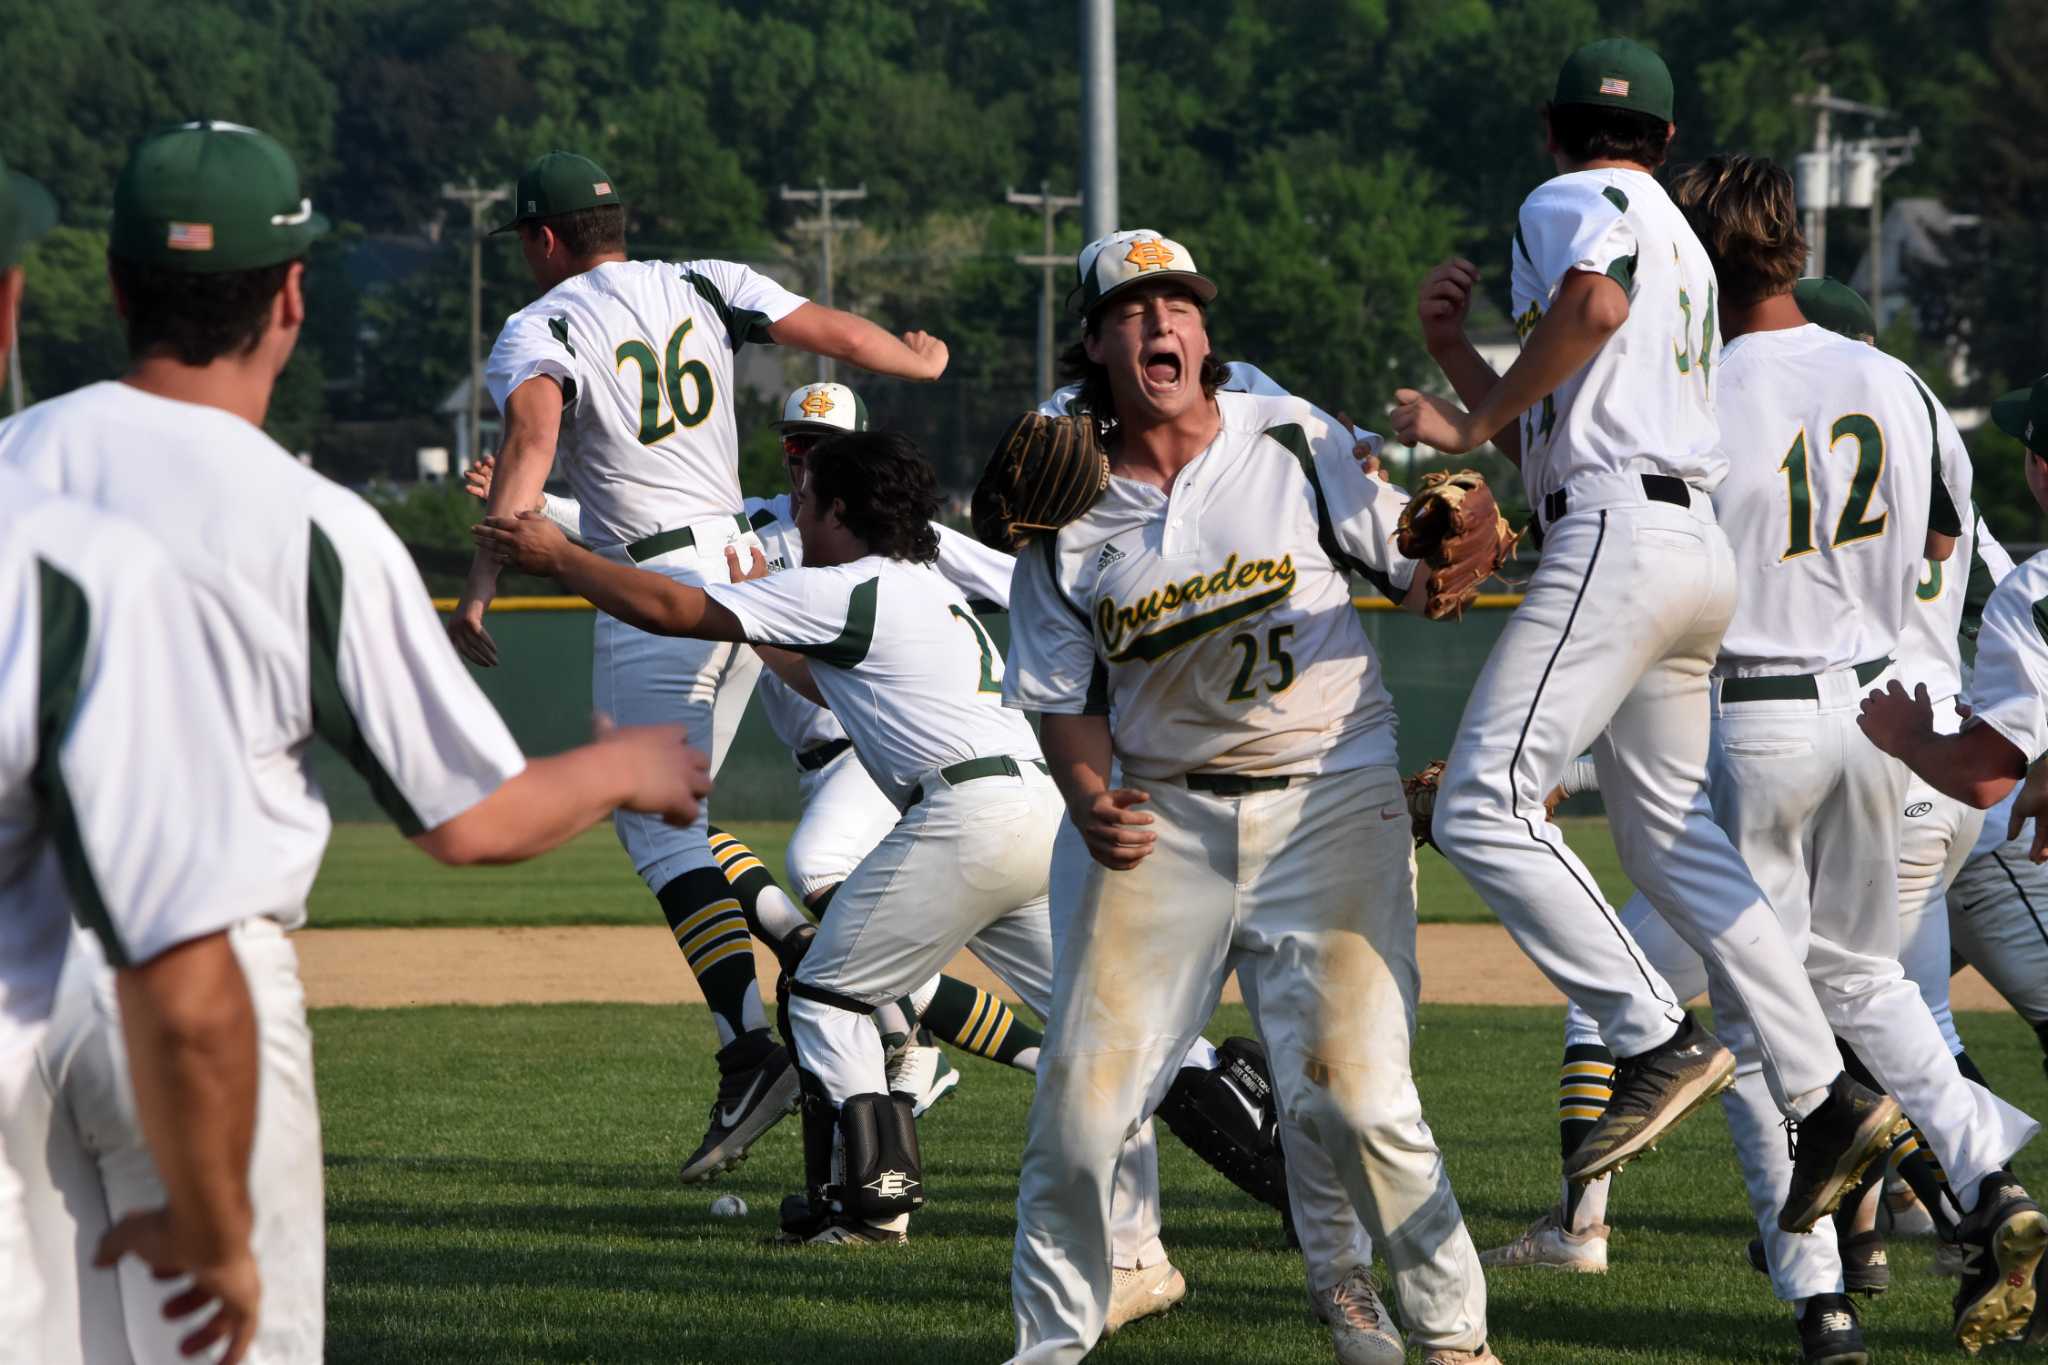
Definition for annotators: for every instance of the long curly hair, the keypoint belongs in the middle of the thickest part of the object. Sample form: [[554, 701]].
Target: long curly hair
[[1745, 214], [886, 490]]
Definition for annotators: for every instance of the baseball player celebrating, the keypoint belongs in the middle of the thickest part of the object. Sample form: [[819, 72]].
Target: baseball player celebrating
[[627, 366], [1608, 412], [896, 653], [305, 587], [1194, 628]]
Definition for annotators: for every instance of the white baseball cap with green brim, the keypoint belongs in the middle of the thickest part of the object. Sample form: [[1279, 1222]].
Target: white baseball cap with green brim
[[1122, 261], [825, 408]]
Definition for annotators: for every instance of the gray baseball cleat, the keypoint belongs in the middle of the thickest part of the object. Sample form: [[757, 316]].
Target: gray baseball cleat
[[1653, 1092], [1360, 1326], [757, 1089], [1141, 1292]]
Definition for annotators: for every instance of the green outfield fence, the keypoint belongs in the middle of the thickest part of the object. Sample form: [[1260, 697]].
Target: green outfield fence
[[542, 688]]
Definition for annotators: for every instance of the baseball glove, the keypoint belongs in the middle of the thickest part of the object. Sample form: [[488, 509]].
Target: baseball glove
[[1044, 472], [1453, 526], [1420, 789]]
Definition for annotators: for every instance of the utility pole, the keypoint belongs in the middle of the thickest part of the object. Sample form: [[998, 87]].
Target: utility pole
[[1098, 117], [1049, 205], [824, 225], [478, 200]]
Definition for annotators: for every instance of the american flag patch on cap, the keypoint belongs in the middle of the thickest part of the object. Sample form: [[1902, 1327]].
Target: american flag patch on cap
[[1613, 85], [601, 187], [190, 237]]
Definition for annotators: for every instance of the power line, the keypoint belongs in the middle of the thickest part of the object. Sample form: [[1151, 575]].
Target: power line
[[478, 200], [1049, 205], [825, 226]]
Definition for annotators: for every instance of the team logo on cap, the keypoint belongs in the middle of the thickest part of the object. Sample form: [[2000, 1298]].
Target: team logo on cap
[[1614, 85], [601, 187], [190, 237], [816, 403], [1150, 253]]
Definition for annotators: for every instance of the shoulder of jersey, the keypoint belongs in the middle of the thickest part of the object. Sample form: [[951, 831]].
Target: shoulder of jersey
[[1579, 192]]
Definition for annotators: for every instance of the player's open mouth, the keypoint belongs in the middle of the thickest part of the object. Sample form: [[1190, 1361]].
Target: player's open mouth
[[1162, 370]]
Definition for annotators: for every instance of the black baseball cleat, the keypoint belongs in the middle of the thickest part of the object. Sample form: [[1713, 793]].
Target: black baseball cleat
[[1226, 1116], [1833, 1146], [1653, 1092], [2002, 1240], [1866, 1266], [1829, 1333], [757, 1089]]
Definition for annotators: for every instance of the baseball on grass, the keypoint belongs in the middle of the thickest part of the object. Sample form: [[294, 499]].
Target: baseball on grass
[[728, 1206]]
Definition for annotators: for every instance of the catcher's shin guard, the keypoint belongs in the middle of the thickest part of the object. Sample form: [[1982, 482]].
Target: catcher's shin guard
[[805, 1215], [881, 1174], [1226, 1117]]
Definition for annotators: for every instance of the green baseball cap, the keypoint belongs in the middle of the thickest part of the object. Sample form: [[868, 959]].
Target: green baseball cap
[[1835, 306], [2023, 415], [560, 182], [208, 197], [1619, 73], [26, 213]]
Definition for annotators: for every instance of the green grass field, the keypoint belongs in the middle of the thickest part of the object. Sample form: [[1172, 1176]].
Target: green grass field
[[371, 878], [501, 1188]]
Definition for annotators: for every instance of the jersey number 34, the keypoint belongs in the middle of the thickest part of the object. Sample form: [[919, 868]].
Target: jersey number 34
[[661, 384]]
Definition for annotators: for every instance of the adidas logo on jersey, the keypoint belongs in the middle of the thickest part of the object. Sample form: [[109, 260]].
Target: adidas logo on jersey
[[1110, 555]]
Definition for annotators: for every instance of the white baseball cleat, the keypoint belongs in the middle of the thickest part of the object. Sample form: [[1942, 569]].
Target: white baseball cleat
[[1547, 1244], [1451, 1355], [1903, 1214], [1142, 1292], [1360, 1326], [923, 1073]]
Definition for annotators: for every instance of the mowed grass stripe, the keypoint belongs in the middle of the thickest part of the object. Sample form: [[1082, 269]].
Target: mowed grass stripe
[[501, 1188], [373, 878]]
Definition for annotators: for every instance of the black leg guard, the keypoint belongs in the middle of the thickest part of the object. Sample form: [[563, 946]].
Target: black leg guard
[[883, 1175], [1227, 1117], [804, 1215]]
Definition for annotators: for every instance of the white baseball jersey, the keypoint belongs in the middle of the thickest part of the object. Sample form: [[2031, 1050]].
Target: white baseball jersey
[[898, 655], [1215, 624], [1644, 403], [644, 353], [125, 799], [2009, 687], [1948, 605], [303, 586], [1835, 475]]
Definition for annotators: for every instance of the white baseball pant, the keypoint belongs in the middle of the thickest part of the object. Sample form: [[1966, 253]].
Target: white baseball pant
[[641, 679], [91, 1167], [1308, 894], [967, 866], [1934, 843], [843, 816], [23, 1314], [1610, 650]]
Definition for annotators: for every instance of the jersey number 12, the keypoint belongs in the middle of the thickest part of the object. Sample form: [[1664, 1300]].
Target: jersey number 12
[[1855, 523]]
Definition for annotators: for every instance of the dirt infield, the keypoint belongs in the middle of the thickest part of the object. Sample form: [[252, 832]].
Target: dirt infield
[[1462, 964]]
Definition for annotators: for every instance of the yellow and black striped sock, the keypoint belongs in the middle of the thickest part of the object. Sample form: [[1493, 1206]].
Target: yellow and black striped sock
[[711, 929], [1585, 1083], [770, 912], [1912, 1161], [973, 1020]]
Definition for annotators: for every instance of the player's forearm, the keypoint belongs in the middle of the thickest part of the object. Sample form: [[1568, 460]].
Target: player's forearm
[[1976, 766], [648, 601], [851, 338], [190, 1029], [1473, 380], [1079, 751], [1588, 310], [548, 803], [795, 670]]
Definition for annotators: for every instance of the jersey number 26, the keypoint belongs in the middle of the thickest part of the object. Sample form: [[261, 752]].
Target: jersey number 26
[[661, 382]]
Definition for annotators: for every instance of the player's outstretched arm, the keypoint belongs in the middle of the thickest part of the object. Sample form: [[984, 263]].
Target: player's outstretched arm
[[647, 601], [533, 424], [1588, 310], [647, 768], [852, 338], [1976, 766], [191, 1036], [1079, 751]]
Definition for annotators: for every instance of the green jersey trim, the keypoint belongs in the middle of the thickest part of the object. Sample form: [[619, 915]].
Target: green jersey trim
[[1615, 197], [1295, 440], [1156, 645], [558, 327], [856, 638], [333, 721], [742, 325], [1942, 517], [66, 634]]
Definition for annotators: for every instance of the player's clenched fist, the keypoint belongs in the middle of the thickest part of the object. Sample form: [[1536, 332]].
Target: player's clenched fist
[[930, 350], [1443, 301], [1423, 419], [528, 542], [1114, 830]]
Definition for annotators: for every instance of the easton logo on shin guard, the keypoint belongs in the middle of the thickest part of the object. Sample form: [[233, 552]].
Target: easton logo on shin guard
[[882, 1172], [893, 1185]]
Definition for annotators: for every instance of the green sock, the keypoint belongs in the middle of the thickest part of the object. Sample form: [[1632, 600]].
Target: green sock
[[973, 1020]]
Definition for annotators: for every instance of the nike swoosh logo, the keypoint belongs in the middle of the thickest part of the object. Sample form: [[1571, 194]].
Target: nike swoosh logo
[[1392, 815], [728, 1118], [1249, 1108]]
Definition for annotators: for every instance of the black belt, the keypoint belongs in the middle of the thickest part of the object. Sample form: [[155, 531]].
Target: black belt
[[1002, 765], [661, 542], [1656, 487], [1795, 687], [810, 760], [1235, 784]]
